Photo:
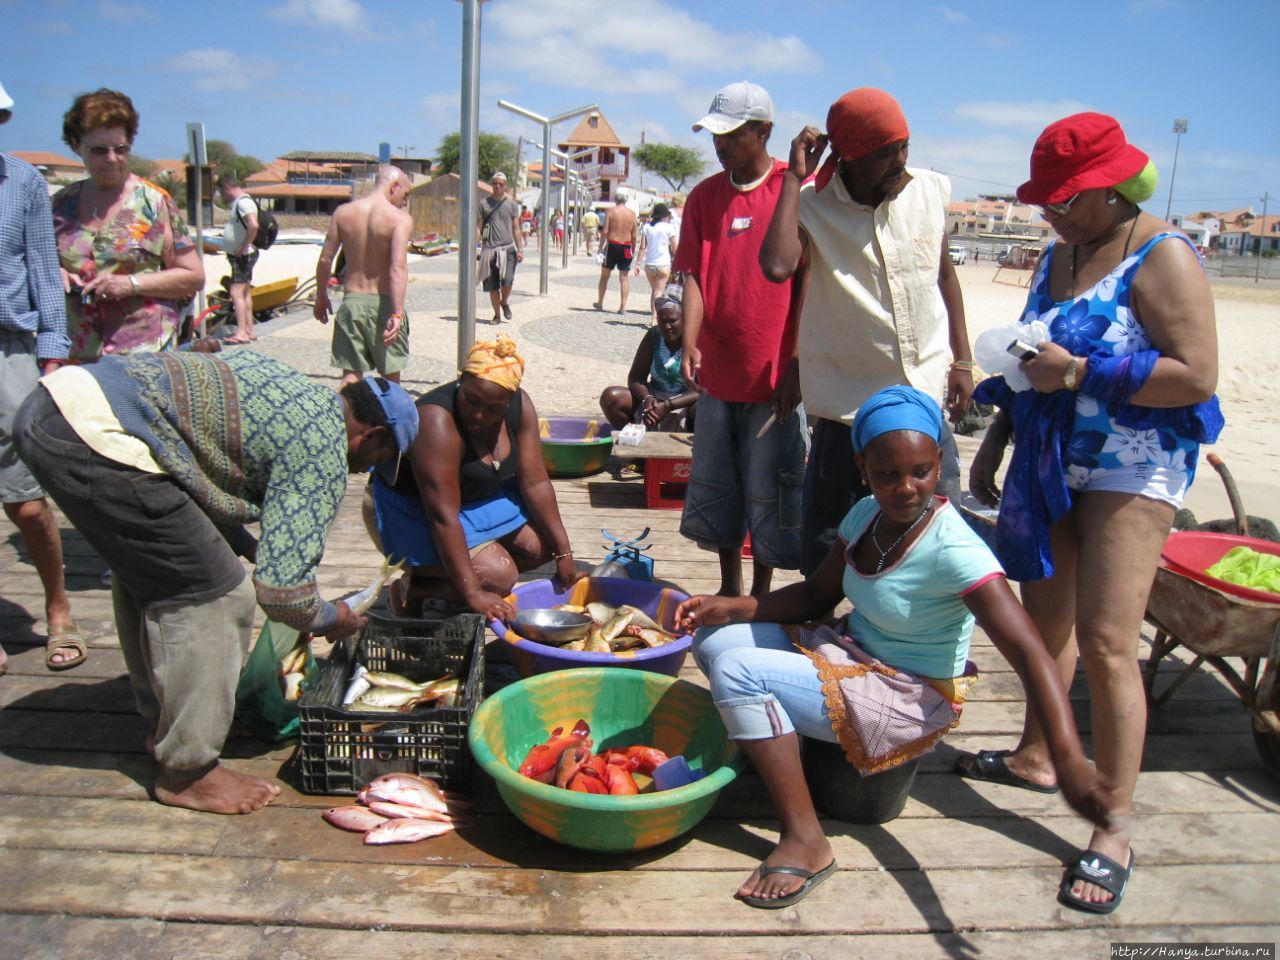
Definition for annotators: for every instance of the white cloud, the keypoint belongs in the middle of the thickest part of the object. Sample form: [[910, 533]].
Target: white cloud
[[1028, 115], [994, 163], [123, 12], [346, 15], [647, 46], [951, 16], [216, 70]]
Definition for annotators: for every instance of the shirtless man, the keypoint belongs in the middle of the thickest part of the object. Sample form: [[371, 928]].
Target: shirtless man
[[371, 332], [620, 237]]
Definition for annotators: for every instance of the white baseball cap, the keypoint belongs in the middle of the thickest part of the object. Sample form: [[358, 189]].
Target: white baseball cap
[[6, 101], [735, 105], [498, 177]]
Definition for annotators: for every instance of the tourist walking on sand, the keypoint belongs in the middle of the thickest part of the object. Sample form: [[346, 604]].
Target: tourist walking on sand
[[619, 238], [658, 244], [237, 243], [33, 340], [739, 353], [590, 227], [371, 331], [1106, 448], [876, 313], [165, 503], [501, 245]]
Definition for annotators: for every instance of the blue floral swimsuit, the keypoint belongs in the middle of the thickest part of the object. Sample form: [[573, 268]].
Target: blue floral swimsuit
[[1102, 454]]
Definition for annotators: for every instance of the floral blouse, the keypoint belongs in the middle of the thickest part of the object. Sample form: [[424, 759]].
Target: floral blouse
[[133, 242]]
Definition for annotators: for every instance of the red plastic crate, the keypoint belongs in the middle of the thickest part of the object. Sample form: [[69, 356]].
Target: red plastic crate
[[665, 483]]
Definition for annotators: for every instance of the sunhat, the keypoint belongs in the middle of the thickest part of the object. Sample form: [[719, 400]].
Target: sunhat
[[1084, 151]]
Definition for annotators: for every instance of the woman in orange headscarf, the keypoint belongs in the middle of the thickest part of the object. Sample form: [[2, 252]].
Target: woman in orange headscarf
[[477, 506]]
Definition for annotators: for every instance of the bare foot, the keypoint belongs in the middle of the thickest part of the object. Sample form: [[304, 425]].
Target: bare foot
[[1113, 845], [813, 856], [218, 791]]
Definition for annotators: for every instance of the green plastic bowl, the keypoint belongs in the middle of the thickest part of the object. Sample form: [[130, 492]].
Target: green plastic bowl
[[623, 708], [574, 446]]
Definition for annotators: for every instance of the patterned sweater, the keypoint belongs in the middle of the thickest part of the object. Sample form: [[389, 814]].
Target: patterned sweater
[[250, 439]]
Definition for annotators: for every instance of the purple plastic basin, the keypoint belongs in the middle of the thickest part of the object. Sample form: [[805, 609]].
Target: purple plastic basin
[[658, 602]]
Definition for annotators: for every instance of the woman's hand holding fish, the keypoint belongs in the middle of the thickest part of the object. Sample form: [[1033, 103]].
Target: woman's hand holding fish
[[709, 611], [490, 605]]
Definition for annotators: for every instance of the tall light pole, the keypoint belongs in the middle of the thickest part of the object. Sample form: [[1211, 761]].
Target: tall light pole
[[469, 170], [547, 123], [405, 149], [1179, 127]]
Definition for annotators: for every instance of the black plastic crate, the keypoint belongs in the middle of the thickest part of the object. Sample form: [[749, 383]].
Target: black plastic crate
[[342, 750]]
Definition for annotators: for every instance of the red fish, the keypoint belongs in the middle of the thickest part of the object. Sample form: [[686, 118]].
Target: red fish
[[585, 781], [639, 759], [407, 811], [619, 781], [569, 763], [542, 759], [355, 819]]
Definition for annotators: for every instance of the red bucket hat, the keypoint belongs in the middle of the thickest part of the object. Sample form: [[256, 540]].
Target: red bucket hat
[[1084, 151]]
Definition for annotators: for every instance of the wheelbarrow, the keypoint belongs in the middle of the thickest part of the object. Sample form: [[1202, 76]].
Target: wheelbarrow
[[1215, 620]]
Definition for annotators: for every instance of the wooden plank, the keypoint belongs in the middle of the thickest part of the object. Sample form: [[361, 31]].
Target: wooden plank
[[446, 898], [56, 937]]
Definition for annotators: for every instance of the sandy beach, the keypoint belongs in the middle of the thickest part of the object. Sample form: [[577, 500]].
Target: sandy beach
[[573, 352]]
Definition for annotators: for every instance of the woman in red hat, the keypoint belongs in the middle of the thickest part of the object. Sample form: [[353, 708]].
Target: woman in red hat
[[1107, 446]]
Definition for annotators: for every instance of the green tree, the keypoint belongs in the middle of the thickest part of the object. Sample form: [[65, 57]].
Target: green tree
[[496, 152], [141, 166], [676, 165], [223, 156], [176, 187]]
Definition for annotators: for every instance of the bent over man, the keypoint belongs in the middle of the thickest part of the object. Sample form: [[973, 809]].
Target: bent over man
[[159, 460]]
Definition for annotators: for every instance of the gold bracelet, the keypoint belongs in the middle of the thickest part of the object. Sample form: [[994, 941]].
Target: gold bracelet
[[561, 556], [962, 364]]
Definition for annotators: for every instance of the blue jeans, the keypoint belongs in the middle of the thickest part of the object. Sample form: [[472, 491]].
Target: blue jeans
[[761, 684], [742, 483]]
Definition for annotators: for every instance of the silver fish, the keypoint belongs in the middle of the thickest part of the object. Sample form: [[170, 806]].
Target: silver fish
[[358, 603], [386, 697], [382, 678], [601, 613], [617, 624], [358, 686], [406, 831], [639, 618]]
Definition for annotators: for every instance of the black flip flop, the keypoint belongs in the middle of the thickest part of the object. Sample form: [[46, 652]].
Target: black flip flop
[[989, 767], [1102, 871], [811, 880]]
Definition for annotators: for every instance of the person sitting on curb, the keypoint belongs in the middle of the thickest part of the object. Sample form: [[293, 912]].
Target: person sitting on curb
[[655, 393], [918, 579]]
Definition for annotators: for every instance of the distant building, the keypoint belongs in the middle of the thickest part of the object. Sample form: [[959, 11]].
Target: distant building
[[994, 216], [609, 164], [54, 166], [1258, 235]]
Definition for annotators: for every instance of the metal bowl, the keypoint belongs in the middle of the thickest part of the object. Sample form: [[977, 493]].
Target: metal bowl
[[551, 626]]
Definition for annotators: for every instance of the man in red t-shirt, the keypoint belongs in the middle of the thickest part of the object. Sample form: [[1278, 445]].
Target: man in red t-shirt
[[739, 353]]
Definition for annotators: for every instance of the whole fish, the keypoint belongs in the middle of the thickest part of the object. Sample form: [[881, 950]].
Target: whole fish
[[595, 641], [406, 831], [386, 697], [355, 819], [569, 763], [292, 683], [381, 678], [407, 811], [407, 789], [617, 624], [639, 618], [358, 686], [358, 603]]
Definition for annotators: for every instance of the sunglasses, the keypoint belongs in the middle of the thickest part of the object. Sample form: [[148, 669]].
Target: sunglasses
[[120, 150], [1059, 209]]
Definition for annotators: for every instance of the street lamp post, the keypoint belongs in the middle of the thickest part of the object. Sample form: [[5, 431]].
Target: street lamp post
[[1179, 128], [547, 123], [468, 168]]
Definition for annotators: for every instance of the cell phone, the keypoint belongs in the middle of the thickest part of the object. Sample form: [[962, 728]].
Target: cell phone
[[1022, 350]]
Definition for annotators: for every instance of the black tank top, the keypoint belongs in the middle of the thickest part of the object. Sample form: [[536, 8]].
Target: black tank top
[[477, 480]]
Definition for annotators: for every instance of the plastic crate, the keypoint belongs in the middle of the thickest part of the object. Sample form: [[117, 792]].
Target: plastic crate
[[665, 482], [343, 749]]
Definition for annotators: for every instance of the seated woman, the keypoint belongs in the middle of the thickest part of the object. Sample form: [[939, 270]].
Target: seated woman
[[655, 392], [477, 506], [917, 577]]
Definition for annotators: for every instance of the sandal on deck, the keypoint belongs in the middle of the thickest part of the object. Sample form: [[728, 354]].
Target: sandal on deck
[[1093, 867], [63, 638], [811, 880], [989, 766]]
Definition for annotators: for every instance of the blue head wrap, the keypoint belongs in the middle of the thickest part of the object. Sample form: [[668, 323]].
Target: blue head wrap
[[896, 408]]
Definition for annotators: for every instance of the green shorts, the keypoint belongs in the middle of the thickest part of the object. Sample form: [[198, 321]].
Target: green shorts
[[357, 335]]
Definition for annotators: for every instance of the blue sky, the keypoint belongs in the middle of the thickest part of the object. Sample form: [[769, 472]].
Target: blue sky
[[977, 80]]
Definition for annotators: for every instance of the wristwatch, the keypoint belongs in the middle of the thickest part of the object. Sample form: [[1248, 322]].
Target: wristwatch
[[1069, 375]]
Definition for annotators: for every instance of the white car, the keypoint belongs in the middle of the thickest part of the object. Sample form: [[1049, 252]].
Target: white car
[[959, 254]]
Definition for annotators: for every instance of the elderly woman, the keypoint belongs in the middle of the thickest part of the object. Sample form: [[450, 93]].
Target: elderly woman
[[656, 393], [1106, 448], [477, 506], [128, 265], [886, 682]]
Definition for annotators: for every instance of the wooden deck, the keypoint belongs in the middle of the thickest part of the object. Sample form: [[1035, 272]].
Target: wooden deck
[[89, 867]]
